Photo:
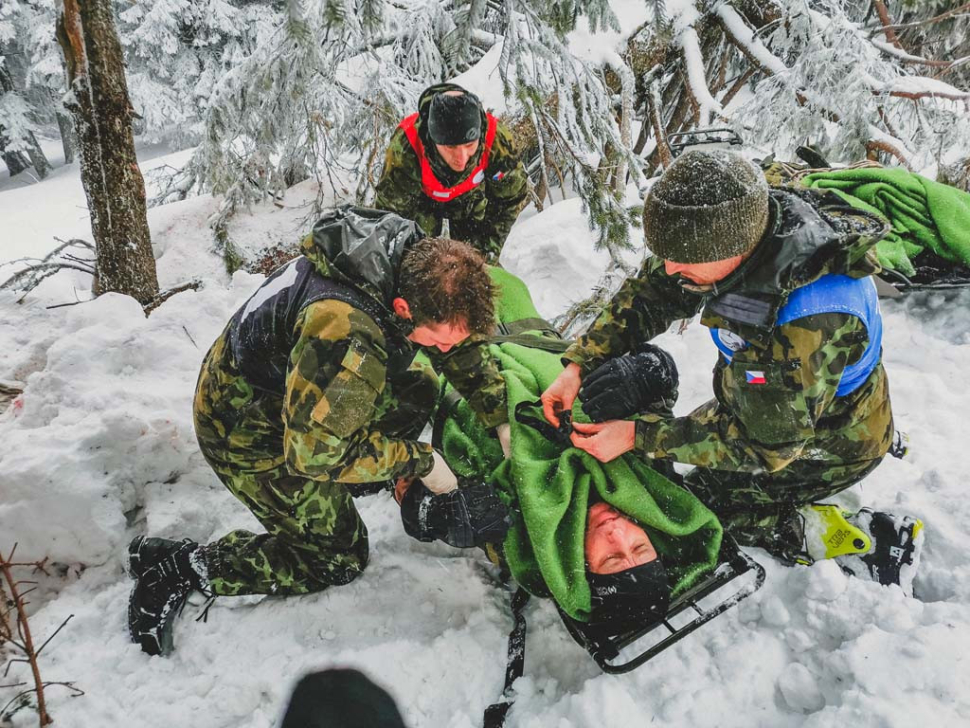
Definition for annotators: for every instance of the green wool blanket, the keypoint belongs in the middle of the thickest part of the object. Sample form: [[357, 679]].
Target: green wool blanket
[[551, 487], [923, 214]]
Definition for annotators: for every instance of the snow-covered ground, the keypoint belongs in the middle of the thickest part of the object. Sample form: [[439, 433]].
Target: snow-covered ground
[[100, 447]]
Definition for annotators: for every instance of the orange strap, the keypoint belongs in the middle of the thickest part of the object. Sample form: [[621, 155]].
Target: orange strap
[[429, 183]]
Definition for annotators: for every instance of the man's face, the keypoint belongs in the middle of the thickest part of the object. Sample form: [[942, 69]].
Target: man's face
[[614, 542], [443, 336], [704, 273], [456, 156]]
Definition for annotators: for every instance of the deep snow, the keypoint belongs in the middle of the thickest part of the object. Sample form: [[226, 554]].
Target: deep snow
[[100, 448]]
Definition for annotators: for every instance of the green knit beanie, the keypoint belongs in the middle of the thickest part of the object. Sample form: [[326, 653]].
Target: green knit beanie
[[707, 206]]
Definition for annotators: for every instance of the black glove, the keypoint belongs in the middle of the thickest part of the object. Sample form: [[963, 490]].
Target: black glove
[[630, 384], [463, 518]]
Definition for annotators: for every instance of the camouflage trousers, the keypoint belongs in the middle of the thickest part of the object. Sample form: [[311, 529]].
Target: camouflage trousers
[[762, 509], [314, 535]]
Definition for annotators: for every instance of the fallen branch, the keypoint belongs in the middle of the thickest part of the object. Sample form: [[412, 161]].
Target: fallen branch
[[41, 269], [162, 297]]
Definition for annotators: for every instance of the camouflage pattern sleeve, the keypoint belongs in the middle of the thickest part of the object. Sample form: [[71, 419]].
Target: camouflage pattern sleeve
[[337, 371], [399, 188], [643, 308], [471, 370], [506, 188], [763, 427]]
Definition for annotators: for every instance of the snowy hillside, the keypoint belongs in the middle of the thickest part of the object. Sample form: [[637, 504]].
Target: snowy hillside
[[100, 448]]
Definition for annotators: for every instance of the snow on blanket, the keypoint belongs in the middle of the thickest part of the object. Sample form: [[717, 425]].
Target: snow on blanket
[[100, 447]]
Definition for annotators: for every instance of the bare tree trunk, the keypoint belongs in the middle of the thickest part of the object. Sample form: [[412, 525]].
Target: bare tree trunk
[[20, 161], [112, 182], [68, 137], [37, 158], [16, 162], [65, 124]]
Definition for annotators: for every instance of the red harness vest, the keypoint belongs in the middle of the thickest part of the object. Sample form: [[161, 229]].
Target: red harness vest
[[429, 183]]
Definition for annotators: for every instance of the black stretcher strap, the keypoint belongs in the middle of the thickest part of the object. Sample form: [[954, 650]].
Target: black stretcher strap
[[495, 714]]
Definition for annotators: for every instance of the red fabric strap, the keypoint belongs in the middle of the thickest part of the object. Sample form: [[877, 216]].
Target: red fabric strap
[[429, 183]]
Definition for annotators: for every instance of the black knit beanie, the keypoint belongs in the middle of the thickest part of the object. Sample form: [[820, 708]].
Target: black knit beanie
[[454, 120], [628, 599], [340, 699], [707, 206]]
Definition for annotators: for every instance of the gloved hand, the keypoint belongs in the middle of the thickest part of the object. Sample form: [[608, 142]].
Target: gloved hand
[[630, 384], [504, 434], [466, 517], [440, 479]]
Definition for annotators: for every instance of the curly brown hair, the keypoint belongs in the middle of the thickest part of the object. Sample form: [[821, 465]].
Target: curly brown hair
[[447, 281]]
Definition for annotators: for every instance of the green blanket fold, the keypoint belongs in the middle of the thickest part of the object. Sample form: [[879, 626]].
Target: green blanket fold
[[551, 487], [923, 214]]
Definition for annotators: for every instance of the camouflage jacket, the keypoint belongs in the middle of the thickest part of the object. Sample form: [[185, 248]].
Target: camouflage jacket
[[319, 337], [482, 216], [795, 414]]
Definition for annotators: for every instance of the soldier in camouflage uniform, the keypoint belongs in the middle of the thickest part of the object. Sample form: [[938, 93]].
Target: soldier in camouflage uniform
[[311, 395], [801, 404], [451, 160]]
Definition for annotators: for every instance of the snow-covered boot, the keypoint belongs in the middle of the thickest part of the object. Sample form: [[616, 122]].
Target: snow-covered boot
[[897, 542], [868, 544], [901, 447], [165, 572], [829, 534]]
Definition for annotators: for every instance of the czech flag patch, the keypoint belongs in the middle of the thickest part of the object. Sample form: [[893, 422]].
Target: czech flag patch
[[754, 377], [498, 176]]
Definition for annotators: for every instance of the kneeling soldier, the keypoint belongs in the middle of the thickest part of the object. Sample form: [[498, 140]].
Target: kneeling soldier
[[309, 396]]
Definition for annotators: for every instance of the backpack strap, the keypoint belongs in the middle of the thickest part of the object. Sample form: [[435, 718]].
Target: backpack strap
[[496, 713]]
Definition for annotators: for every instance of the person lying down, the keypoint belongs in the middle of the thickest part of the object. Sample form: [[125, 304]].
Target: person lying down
[[611, 543]]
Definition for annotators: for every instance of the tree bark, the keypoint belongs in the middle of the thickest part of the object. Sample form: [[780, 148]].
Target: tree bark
[[65, 124], [16, 162], [112, 182], [20, 161]]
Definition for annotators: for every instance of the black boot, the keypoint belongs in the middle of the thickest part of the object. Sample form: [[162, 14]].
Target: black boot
[[896, 545], [165, 572]]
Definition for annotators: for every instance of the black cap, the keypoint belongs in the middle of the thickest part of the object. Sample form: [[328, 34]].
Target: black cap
[[340, 699], [631, 598], [454, 120]]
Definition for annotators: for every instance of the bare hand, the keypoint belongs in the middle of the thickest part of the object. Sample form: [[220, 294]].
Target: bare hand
[[504, 433], [561, 394], [401, 487], [605, 441]]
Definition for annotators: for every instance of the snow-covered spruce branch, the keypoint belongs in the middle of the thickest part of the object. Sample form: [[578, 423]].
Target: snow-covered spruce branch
[[747, 41], [706, 104], [654, 106], [909, 58], [961, 9], [832, 72], [577, 118]]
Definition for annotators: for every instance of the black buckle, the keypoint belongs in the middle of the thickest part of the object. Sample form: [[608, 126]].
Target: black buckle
[[559, 435]]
